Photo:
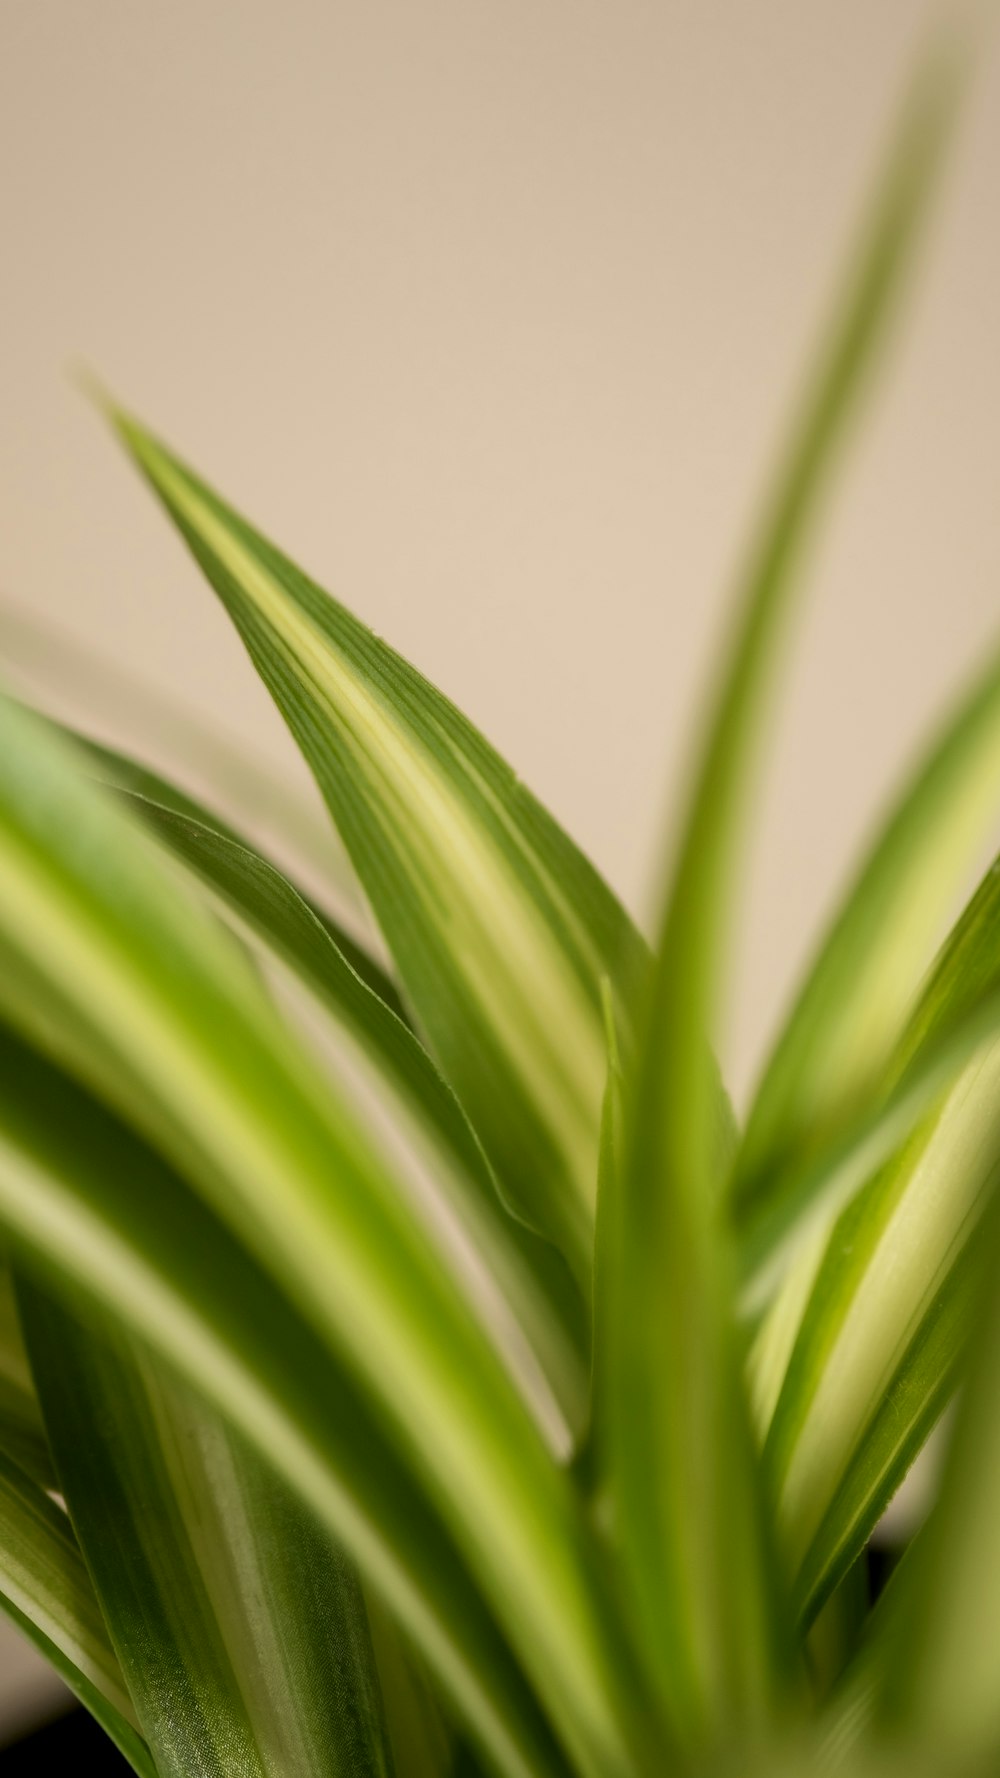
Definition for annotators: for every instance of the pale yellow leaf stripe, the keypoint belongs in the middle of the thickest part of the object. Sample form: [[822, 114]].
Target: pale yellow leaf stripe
[[524, 984]]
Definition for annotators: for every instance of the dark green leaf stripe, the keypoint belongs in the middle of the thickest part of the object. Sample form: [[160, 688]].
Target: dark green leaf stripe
[[423, 1738], [22, 1434], [22, 1437], [500, 930], [240, 1627], [100, 1214]]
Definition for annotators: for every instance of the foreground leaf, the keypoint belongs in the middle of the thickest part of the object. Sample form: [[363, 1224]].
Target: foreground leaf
[[100, 1216], [240, 1627], [500, 930], [423, 1739], [134, 986], [688, 1515], [46, 1591]]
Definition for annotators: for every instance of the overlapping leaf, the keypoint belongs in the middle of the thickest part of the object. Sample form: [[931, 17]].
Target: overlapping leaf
[[352, 985], [238, 1623], [887, 1315], [102, 1216], [826, 1076], [60, 673], [833, 1051], [135, 987], [500, 930], [22, 1434], [46, 1591]]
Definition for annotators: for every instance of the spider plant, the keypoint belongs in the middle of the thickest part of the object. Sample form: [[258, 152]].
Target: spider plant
[[407, 1364]]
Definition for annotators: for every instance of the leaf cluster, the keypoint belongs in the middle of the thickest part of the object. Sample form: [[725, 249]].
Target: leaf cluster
[[407, 1365]]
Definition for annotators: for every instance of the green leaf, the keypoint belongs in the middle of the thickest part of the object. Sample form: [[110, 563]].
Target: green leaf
[[886, 1315], [240, 1627], [45, 1590], [500, 930], [830, 1060], [351, 985], [779, 1239], [101, 1216], [134, 985], [910, 1406], [687, 1512], [139, 991], [248, 882]]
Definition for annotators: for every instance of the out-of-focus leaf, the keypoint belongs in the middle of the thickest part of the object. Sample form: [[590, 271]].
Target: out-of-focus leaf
[[610, 1184], [887, 1315], [831, 1057], [688, 1515], [133, 984], [100, 1215], [53, 670], [239, 1625], [777, 1236], [500, 930], [46, 1591], [424, 1742], [876, 1350], [909, 1408]]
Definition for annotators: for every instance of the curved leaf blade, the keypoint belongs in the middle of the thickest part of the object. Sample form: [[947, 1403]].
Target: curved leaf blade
[[101, 1217], [352, 986], [500, 930], [887, 1318], [831, 1057], [909, 1409], [51, 669], [132, 984], [239, 1625], [46, 1591]]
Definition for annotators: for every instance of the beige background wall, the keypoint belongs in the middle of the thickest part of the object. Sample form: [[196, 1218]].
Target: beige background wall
[[491, 312]]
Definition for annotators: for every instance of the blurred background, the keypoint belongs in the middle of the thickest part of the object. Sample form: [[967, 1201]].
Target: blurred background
[[493, 315]]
